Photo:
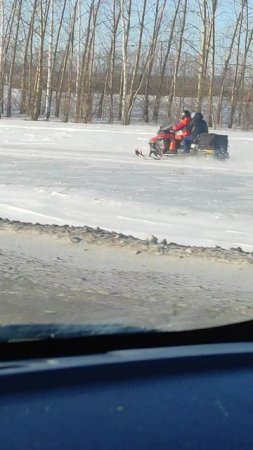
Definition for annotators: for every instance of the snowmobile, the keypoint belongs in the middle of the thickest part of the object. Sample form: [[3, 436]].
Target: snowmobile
[[167, 143]]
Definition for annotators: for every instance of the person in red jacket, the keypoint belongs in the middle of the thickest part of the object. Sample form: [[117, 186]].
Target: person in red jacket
[[171, 136], [182, 125], [180, 130]]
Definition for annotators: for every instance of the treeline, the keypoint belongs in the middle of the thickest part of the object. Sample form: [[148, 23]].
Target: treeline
[[83, 60]]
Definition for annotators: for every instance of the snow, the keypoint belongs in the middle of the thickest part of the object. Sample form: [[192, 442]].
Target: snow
[[76, 174]]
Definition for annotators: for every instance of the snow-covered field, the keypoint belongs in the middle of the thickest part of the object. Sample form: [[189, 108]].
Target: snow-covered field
[[77, 174]]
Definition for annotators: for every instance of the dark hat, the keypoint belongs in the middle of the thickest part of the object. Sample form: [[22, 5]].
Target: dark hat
[[186, 113], [198, 116]]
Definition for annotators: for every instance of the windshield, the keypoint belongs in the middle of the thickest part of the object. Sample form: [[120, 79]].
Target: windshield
[[104, 219]]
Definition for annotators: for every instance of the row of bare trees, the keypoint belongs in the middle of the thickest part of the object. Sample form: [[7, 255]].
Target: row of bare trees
[[110, 59]]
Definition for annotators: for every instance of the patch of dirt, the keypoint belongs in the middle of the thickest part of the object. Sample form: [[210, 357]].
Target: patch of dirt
[[55, 274]]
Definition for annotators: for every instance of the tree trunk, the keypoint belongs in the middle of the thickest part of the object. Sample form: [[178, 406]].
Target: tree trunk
[[210, 115], [1, 55], [164, 63], [100, 111], [37, 95], [225, 70], [10, 79], [25, 71], [115, 24], [234, 93], [203, 56], [159, 13], [66, 68], [173, 90], [50, 63]]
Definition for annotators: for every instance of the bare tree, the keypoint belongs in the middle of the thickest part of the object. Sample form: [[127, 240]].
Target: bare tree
[[65, 82], [234, 92], [83, 64], [1, 55], [57, 101], [84, 94], [226, 67], [50, 61], [203, 8], [78, 58], [164, 61], [115, 24], [125, 14], [10, 46], [173, 87], [132, 84], [129, 100], [17, 12], [158, 18], [37, 91], [69, 62], [242, 82], [210, 116], [25, 68]]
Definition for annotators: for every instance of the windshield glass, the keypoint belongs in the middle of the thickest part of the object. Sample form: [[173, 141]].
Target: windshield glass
[[105, 218]]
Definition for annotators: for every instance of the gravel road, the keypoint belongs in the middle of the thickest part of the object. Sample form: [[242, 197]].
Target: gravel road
[[52, 274]]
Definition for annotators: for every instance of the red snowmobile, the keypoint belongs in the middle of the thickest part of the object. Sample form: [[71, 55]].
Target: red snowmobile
[[167, 143]]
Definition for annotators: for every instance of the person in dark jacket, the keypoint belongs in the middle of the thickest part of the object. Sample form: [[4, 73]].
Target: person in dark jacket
[[196, 126]]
